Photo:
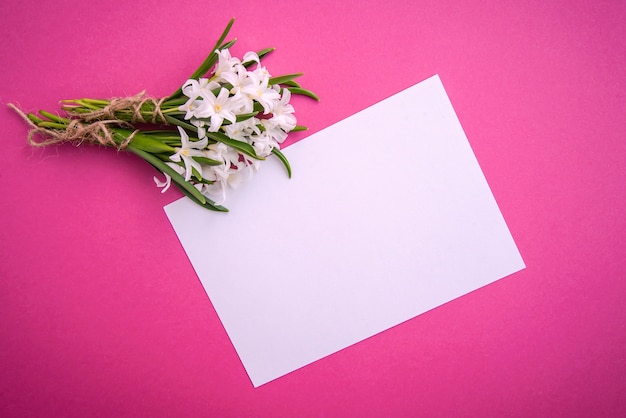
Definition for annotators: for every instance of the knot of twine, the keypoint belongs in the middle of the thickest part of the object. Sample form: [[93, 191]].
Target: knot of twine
[[133, 103], [76, 131]]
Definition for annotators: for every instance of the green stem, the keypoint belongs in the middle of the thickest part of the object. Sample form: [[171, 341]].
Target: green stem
[[211, 59], [283, 159], [164, 168], [53, 117]]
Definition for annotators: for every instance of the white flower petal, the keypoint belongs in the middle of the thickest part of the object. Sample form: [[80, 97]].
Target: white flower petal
[[164, 184]]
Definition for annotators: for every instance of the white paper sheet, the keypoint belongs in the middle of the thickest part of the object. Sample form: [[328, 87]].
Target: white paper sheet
[[387, 216]]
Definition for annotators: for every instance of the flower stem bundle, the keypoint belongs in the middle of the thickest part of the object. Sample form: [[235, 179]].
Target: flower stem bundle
[[208, 135]]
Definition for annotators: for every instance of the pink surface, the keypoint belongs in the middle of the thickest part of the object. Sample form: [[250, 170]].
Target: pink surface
[[102, 314]]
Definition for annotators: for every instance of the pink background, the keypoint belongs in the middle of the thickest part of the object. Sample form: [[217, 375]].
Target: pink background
[[101, 313]]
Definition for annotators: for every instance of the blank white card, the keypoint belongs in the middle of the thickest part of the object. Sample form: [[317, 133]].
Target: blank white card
[[387, 216]]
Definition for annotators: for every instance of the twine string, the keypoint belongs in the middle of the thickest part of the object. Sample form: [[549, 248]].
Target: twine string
[[96, 132], [133, 103]]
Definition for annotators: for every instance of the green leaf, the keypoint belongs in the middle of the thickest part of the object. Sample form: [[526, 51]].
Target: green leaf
[[290, 83], [53, 117], [224, 46], [53, 125], [196, 174], [175, 102], [257, 107], [207, 161], [210, 59], [246, 116], [175, 113], [304, 92], [283, 78], [164, 135], [178, 122], [283, 159], [33, 118], [148, 144], [240, 146], [299, 128], [265, 52], [225, 33], [164, 168]]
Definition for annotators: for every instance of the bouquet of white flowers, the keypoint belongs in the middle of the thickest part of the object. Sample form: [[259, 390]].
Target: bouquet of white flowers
[[230, 115]]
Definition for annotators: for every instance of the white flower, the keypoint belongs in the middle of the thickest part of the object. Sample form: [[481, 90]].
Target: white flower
[[242, 172], [168, 179], [237, 78], [218, 108], [261, 72], [225, 63], [235, 131], [164, 184], [195, 89], [223, 178], [221, 152], [258, 90], [215, 191], [188, 150], [241, 131], [274, 131], [190, 107], [282, 115], [233, 170], [199, 123], [237, 90], [251, 56], [264, 144]]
